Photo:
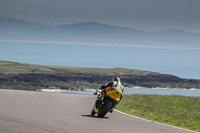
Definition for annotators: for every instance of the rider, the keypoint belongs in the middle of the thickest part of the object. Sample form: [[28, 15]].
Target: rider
[[115, 84]]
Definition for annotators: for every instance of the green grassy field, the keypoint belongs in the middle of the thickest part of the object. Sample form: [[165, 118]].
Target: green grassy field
[[2, 63], [13, 67], [178, 111]]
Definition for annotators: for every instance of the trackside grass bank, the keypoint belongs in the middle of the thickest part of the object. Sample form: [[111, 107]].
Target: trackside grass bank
[[178, 111]]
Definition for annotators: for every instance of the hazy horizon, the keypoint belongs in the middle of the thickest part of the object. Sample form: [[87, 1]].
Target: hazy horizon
[[146, 15], [98, 23]]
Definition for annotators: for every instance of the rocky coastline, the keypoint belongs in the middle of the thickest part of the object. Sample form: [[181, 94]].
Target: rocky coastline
[[89, 80], [36, 77]]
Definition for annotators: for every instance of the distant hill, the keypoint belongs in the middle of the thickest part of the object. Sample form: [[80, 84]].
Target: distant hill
[[92, 32]]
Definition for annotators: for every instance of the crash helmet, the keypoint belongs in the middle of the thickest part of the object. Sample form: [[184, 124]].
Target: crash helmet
[[117, 79]]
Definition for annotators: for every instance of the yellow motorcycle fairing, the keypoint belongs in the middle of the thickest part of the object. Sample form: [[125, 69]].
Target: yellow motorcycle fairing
[[113, 94]]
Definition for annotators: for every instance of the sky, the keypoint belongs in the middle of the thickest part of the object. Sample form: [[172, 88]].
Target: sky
[[149, 15]]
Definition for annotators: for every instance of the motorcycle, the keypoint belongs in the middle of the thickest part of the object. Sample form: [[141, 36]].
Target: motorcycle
[[111, 99]]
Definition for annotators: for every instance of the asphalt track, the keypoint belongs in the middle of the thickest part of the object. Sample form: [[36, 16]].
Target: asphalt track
[[42, 112]]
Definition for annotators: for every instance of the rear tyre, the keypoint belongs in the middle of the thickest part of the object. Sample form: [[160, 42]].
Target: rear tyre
[[105, 108]]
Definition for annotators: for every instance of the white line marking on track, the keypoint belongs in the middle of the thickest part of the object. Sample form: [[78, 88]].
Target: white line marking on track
[[155, 122]]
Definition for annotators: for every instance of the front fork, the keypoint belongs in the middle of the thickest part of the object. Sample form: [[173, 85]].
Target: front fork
[[100, 99]]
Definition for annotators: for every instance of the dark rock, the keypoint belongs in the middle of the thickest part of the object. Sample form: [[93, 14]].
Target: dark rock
[[81, 81]]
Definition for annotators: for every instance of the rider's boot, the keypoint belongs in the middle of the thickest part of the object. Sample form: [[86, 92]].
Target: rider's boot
[[98, 102]]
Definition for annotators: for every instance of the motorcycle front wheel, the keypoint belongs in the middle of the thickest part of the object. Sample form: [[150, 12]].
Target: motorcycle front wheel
[[93, 112]]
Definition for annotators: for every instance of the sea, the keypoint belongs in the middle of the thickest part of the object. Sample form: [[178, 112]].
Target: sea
[[181, 62], [143, 91]]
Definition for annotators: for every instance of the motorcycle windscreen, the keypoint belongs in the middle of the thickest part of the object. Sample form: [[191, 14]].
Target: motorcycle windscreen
[[113, 94]]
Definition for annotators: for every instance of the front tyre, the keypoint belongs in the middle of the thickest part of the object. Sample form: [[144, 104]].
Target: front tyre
[[93, 112], [105, 108]]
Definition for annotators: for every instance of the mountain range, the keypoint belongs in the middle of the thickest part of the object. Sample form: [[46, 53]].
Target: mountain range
[[95, 33]]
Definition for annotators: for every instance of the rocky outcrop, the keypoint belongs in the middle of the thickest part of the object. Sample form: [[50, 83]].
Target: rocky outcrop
[[90, 80]]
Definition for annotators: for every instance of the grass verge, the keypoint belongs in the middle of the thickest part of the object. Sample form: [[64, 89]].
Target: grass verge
[[178, 111]]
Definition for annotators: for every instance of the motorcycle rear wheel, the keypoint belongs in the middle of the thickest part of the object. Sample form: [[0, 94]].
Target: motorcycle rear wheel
[[105, 108]]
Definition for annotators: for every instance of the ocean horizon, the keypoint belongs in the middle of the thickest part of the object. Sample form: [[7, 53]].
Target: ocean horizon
[[181, 62]]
